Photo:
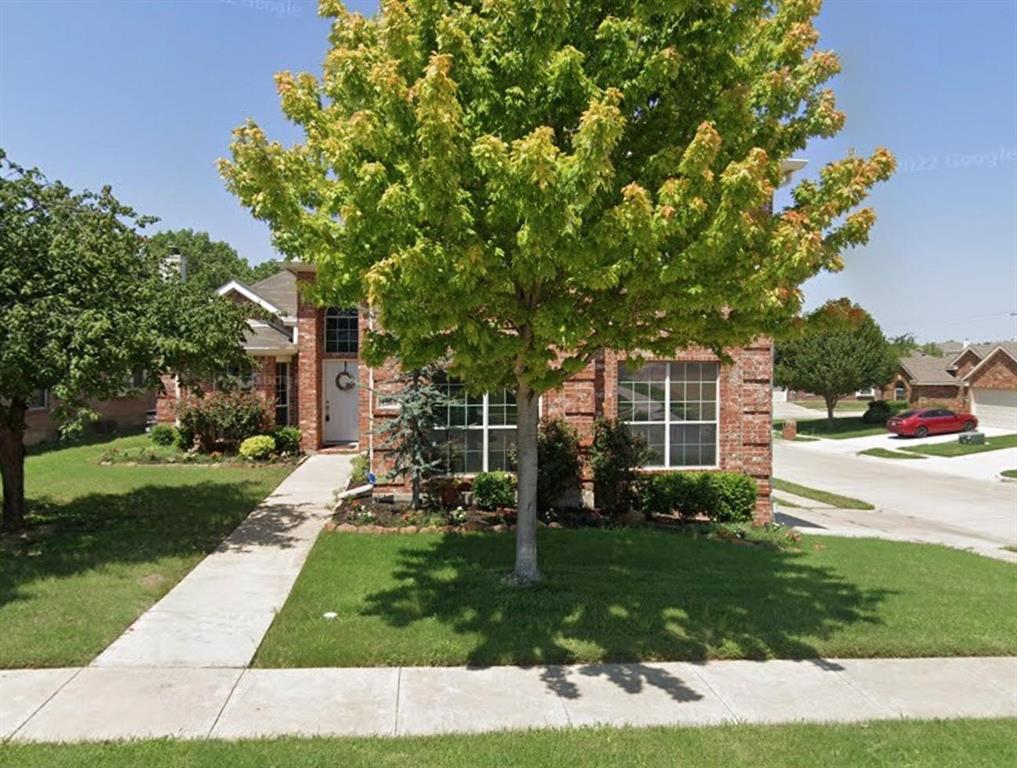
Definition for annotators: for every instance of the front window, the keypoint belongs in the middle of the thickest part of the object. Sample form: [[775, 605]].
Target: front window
[[673, 406], [39, 400], [900, 392], [341, 331], [480, 432], [282, 394]]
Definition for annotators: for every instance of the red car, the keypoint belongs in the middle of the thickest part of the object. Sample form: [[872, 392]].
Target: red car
[[923, 422]]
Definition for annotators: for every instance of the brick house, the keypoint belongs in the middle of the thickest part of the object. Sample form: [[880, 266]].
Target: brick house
[[694, 411], [118, 413], [981, 378]]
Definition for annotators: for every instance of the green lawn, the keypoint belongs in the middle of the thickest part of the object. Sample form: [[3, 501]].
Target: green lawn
[[104, 543], [844, 406], [843, 427], [886, 453], [635, 594], [914, 743], [955, 448], [824, 497], [1010, 473], [786, 503]]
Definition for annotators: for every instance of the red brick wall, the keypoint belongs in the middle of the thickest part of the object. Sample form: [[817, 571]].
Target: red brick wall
[[746, 402], [744, 421], [967, 360], [308, 370], [118, 412], [1000, 372]]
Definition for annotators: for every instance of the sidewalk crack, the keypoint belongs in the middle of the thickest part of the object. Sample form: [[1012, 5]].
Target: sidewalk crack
[[226, 701], [38, 709], [399, 684]]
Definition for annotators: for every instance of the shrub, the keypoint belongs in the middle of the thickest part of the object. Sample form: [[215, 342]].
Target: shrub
[[222, 420], [558, 470], [359, 467], [723, 497], [163, 434], [185, 438], [616, 456], [258, 447], [881, 410], [444, 492], [287, 440], [492, 490]]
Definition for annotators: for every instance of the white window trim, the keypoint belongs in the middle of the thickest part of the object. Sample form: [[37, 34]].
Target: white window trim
[[289, 391], [43, 407], [486, 426], [324, 329], [667, 423]]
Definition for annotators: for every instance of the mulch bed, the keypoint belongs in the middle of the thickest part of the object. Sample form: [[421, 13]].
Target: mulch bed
[[381, 515]]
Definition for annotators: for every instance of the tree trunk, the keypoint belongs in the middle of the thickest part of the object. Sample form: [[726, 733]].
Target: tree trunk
[[415, 491], [526, 571], [12, 467], [831, 403]]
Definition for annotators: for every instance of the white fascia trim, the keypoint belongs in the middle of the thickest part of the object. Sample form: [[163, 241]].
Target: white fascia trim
[[250, 295], [989, 357]]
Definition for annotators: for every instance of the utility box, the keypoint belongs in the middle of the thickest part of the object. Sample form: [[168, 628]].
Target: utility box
[[972, 438]]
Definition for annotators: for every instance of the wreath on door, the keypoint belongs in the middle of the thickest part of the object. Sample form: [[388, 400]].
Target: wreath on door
[[344, 381]]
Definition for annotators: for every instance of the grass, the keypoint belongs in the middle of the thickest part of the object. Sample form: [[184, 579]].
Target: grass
[[105, 543], [636, 595], [1009, 473], [845, 406], [798, 438], [824, 497], [913, 743], [886, 453], [787, 503], [953, 449], [843, 427]]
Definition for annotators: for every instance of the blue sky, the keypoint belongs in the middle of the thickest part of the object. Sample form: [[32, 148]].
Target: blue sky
[[143, 96]]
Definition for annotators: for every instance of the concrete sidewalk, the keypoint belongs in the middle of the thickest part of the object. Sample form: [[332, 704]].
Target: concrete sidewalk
[[96, 703], [217, 615]]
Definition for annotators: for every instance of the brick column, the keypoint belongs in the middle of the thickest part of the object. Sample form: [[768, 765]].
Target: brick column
[[308, 374]]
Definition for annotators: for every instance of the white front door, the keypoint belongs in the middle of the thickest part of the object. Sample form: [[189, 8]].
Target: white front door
[[339, 401]]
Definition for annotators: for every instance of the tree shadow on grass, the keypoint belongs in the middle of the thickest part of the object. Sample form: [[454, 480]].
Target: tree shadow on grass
[[623, 596], [140, 525]]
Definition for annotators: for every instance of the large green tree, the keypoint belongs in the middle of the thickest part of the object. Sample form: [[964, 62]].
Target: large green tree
[[86, 313], [210, 263], [517, 185], [835, 351]]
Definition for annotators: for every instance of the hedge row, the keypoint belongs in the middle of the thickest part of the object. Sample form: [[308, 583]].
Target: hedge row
[[723, 497]]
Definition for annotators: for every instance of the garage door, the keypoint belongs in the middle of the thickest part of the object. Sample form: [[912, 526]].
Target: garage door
[[995, 407]]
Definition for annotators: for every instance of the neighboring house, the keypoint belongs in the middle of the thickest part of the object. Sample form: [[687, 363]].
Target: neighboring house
[[114, 414], [981, 378], [695, 412]]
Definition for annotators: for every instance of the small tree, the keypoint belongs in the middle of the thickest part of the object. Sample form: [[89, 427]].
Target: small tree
[[519, 185], [409, 435], [559, 468], [84, 309], [837, 349]]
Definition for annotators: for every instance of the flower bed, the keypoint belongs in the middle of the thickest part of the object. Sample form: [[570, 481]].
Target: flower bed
[[384, 515]]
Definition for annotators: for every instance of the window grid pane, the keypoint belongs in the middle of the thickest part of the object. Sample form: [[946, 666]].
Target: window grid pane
[[673, 406], [472, 420], [341, 331]]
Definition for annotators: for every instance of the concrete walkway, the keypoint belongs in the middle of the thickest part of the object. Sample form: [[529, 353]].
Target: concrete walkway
[[217, 615], [96, 703]]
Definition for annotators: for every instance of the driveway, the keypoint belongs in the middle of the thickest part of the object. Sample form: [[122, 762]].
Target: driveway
[[979, 466], [913, 503]]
